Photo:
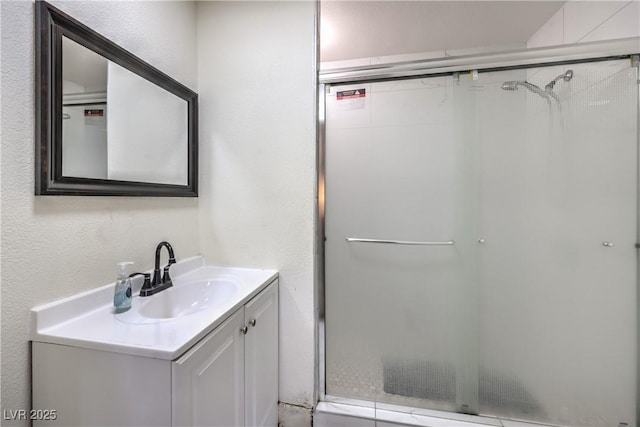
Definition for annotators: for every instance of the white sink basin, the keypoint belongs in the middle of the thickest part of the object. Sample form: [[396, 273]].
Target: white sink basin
[[186, 298], [162, 326], [205, 291]]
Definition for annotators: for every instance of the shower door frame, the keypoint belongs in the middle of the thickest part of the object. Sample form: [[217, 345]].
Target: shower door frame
[[501, 61]]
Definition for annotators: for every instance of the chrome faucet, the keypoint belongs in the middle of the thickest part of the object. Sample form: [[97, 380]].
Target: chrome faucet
[[159, 283]]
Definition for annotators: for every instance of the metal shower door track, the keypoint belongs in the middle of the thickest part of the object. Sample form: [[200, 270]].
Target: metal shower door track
[[580, 52]]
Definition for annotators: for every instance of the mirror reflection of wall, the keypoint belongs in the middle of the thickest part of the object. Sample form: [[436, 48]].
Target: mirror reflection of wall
[[84, 112], [147, 130], [117, 125]]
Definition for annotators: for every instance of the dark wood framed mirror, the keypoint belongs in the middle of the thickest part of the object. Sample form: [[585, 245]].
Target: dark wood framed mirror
[[108, 123]]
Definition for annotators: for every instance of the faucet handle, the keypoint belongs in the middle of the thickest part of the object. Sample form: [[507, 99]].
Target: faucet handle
[[146, 286]]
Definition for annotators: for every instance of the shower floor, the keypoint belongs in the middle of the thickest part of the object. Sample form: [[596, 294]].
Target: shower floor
[[423, 384], [365, 380]]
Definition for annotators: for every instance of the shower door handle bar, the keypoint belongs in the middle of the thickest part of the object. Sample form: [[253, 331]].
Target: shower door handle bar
[[400, 242]]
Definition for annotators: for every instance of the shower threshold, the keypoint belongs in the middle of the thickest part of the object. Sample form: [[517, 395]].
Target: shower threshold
[[344, 413]]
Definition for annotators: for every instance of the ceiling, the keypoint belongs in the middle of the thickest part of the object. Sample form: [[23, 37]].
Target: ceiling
[[83, 67], [361, 29]]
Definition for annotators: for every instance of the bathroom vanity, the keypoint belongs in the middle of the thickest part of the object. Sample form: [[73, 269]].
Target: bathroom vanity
[[203, 352]]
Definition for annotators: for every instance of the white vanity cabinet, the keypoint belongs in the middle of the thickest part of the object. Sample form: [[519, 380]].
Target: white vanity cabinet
[[208, 381], [228, 378], [261, 360]]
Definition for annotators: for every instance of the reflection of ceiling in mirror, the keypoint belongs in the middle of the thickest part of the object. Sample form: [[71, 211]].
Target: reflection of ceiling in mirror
[[82, 69]]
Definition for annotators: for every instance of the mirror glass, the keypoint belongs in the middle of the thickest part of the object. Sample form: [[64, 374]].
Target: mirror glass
[[107, 122], [117, 125]]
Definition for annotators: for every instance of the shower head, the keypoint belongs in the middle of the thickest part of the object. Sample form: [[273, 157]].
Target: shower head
[[512, 85], [547, 94]]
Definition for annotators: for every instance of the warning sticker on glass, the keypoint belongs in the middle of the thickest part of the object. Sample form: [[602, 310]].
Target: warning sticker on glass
[[351, 99], [93, 113], [351, 94]]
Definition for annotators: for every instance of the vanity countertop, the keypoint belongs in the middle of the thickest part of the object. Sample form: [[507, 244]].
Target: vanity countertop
[[88, 320]]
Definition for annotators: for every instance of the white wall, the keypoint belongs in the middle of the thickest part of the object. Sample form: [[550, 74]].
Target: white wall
[[257, 130], [58, 246], [587, 21]]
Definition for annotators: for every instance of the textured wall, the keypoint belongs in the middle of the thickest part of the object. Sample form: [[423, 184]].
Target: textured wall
[[256, 81], [53, 247]]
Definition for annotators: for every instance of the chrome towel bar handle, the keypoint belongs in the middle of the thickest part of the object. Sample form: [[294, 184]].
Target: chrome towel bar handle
[[400, 242]]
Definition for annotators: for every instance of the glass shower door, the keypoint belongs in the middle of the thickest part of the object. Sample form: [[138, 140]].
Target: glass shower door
[[400, 272], [480, 250], [558, 214]]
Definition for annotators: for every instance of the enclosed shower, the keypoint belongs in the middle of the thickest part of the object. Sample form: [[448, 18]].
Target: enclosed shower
[[481, 242]]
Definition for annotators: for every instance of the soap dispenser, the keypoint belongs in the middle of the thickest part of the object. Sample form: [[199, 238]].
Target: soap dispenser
[[122, 295]]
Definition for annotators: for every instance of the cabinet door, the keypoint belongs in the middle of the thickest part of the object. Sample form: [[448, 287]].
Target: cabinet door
[[85, 387], [261, 359], [208, 381]]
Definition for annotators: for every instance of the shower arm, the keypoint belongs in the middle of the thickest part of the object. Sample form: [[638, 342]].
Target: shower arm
[[566, 76]]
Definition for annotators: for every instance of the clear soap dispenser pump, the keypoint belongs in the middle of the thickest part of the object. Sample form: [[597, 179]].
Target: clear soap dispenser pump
[[122, 295]]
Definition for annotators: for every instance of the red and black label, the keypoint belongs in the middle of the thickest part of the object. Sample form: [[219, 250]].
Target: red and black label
[[351, 94], [93, 113]]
